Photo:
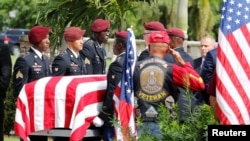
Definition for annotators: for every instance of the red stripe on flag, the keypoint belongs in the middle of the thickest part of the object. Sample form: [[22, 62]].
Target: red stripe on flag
[[230, 101], [230, 71], [29, 89], [70, 96], [222, 116], [19, 130], [49, 105], [238, 52]]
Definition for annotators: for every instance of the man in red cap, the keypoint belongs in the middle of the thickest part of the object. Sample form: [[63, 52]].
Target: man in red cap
[[70, 62], [33, 65], [149, 27], [156, 82], [93, 49], [113, 78], [177, 38]]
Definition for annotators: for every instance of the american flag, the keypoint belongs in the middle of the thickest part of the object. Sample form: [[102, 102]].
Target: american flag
[[233, 63], [59, 102], [124, 95]]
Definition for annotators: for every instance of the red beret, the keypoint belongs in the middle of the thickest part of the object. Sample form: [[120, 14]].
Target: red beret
[[100, 25], [159, 37], [73, 33], [154, 25], [174, 31], [38, 33], [121, 34]]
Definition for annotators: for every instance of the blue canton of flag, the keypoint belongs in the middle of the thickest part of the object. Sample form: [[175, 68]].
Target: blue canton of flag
[[235, 13], [127, 79]]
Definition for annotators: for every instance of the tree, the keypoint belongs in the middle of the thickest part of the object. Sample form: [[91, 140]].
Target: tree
[[82, 13], [203, 18], [17, 13]]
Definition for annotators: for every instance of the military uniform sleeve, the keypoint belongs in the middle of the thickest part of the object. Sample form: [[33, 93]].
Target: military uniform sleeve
[[113, 79], [59, 66], [20, 75], [88, 54], [144, 54], [186, 76], [6, 68]]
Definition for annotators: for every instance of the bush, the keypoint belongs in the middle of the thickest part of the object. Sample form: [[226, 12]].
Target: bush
[[10, 108]]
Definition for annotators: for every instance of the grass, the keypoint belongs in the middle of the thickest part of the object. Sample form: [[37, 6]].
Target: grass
[[15, 138]]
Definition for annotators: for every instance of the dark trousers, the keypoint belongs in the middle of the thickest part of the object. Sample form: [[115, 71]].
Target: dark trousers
[[1, 117], [108, 133]]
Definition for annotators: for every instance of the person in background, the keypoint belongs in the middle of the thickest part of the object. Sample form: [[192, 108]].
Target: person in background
[[157, 80], [181, 95], [149, 27], [113, 78], [207, 43], [5, 76], [94, 51], [70, 62], [207, 71], [33, 65]]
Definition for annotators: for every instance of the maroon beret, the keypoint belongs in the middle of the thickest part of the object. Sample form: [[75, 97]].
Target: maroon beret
[[174, 31], [38, 33], [154, 25], [100, 25], [121, 34], [73, 33], [159, 37]]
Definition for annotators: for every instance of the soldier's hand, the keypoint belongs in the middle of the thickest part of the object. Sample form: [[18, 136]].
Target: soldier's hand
[[98, 122], [176, 56]]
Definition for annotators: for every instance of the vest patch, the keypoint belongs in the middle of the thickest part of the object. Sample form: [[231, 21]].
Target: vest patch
[[151, 112]]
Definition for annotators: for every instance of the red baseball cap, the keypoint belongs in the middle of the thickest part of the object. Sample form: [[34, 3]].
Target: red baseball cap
[[154, 25], [38, 33], [100, 25], [174, 31], [73, 33], [121, 34], [159, 37]]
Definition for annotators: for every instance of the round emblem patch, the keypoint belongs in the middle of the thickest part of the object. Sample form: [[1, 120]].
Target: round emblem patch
[[152, 79]]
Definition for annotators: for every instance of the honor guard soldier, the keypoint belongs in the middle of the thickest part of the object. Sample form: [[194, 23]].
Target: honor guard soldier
[[70, 62], [94, 50], [157, 79], [113, 78], [149, 27], [34, 65]]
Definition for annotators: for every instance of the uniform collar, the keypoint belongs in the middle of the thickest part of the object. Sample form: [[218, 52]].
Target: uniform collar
[[37, 52]]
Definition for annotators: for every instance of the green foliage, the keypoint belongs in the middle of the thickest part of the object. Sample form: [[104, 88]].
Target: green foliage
[[193, 129], [24, 10], [9, 111]]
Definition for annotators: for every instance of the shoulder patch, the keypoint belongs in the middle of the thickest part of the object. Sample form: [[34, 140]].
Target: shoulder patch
[[19, 74]]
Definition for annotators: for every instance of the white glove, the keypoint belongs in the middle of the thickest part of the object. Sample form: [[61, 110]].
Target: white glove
[[98, 122]]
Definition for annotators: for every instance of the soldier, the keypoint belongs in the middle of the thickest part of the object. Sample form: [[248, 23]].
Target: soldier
[[70, 62], [5, 74], [34, 65], [186, 105], [157, 80], [149, 27], [113, 78], [94, 50]]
